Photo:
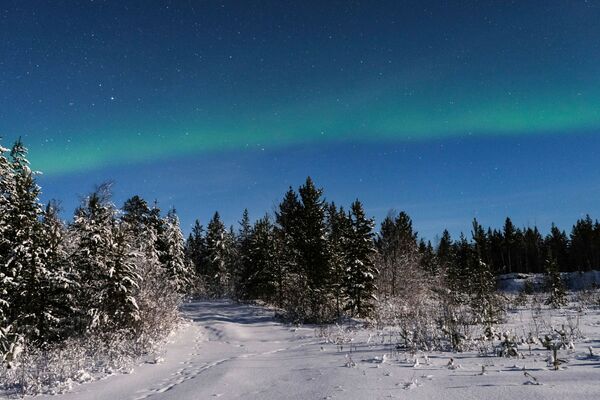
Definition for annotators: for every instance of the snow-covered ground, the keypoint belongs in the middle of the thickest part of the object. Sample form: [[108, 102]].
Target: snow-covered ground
[[233, 351]]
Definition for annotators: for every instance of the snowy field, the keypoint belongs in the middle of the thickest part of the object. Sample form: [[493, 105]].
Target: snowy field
[[232, 351]]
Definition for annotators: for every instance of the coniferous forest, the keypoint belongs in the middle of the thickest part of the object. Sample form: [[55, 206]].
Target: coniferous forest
[[118, 275]]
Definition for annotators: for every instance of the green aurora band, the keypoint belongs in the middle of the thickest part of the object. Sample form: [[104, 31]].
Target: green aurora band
[[382, 112]]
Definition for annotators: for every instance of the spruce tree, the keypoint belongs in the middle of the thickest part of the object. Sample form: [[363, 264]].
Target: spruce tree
[[263, 275], [106, 270], [398, 254], [216, 272], [156, 298], [195, 247], [428, 260], [557, 243], [175, 262], [340, 228], [360, 270], [25, 263], [312, 246], [484, 299], [8, 336], [58, 303], [293, 285], [244, 260], [444, 253]]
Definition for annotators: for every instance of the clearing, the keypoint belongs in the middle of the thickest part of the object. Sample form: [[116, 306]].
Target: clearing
[[233, 351]]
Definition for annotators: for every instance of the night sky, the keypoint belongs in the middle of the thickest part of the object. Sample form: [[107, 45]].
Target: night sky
[[448, 111]]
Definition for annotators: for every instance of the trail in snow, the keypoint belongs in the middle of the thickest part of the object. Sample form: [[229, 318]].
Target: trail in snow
[[232, 351]]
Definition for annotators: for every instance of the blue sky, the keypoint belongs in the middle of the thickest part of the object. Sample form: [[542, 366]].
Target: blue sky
[[446, 110]]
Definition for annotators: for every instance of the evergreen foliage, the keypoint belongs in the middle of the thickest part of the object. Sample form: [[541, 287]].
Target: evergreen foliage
[[360, 271], [101, 275]]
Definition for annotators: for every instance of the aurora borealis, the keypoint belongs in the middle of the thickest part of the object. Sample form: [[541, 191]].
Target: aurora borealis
[[192, 102]]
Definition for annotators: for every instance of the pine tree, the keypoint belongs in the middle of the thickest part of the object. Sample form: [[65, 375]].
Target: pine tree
[[361, 271]]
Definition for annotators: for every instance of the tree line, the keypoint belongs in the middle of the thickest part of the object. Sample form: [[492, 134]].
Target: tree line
[[318, 261]]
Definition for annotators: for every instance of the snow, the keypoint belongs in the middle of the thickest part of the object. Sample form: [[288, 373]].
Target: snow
[[515, 282], [233, 351]]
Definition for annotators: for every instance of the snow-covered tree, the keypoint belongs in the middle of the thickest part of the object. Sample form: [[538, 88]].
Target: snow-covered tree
[[8, 338], [105, 263], [175, 262], [25, 258], [485, 302], [156, 298], [58, 303], [217, 270], [360, 269]]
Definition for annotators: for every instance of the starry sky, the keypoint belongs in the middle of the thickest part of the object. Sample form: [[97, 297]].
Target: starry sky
[[448, 110]]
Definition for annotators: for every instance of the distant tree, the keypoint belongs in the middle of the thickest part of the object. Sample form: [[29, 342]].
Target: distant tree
[[582, 247], [509, 246], [481, 244], [428, 259], [533, 244], [444, 254], [557, 243]]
